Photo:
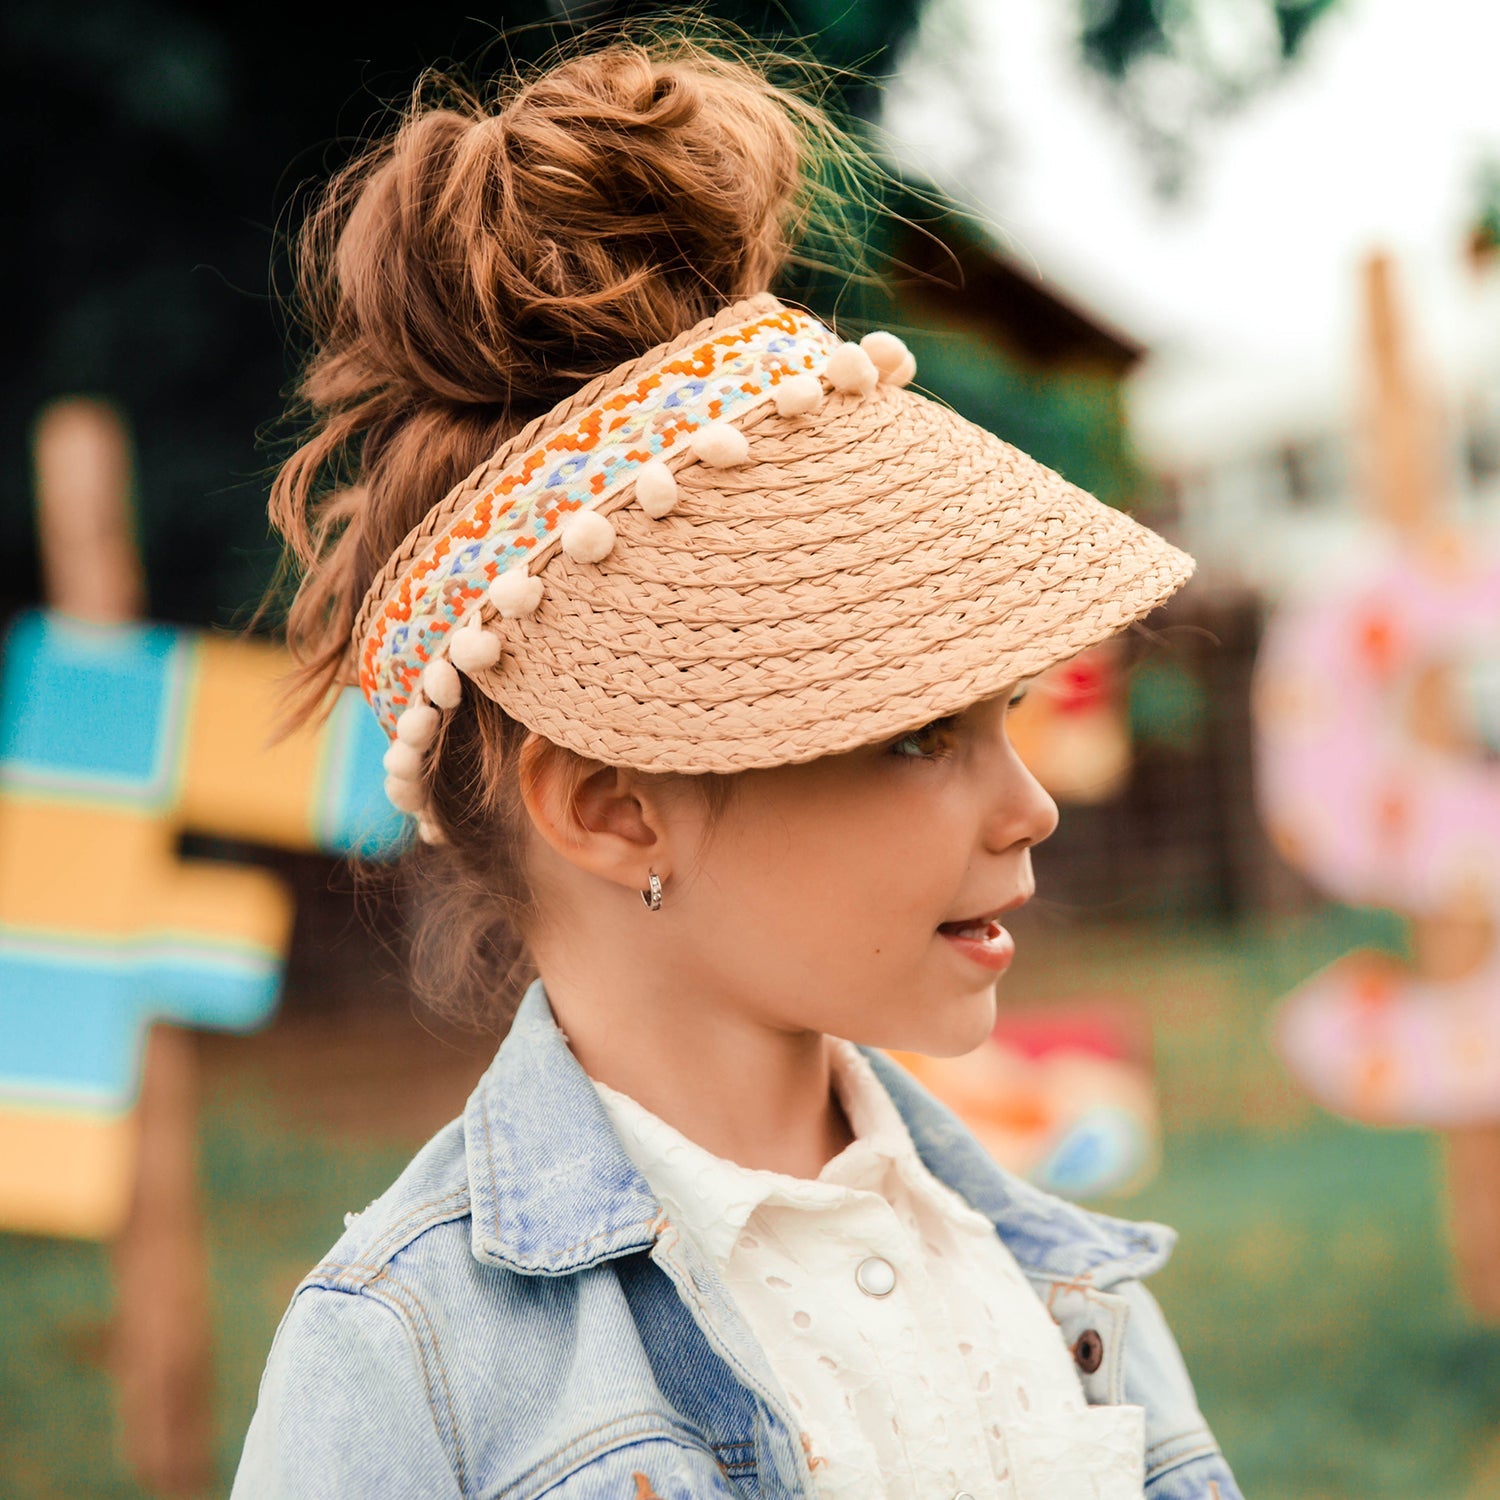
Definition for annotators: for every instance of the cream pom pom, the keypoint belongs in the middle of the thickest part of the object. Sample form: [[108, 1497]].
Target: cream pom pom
[[473, 648], [798, 394], [417, 726], [405, 795], [403, 760], [515, 592], [903, 373], [441, 683], [890, 356], [656, 488], [720, 445], [852, 371], [587, 536]]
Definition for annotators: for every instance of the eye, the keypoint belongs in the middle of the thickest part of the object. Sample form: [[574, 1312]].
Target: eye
[[930, 742], [1019, 696]]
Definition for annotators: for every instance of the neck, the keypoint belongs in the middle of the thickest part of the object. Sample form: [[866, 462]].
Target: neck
[[756, 1095]]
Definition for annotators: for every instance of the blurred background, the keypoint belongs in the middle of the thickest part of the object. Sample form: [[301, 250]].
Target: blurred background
[[1233, 265]]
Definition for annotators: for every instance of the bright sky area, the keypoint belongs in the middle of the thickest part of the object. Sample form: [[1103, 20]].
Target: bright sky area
[[1244, 287]]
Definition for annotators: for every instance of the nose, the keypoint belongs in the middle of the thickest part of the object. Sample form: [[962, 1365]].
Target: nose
[[1023, 811]]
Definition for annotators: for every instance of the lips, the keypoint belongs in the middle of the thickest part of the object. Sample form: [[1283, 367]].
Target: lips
[[980, 928], [982, 939], [984, 919], [986, 944]]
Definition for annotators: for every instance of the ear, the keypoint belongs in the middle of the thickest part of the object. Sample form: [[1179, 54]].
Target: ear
[[601, 819]]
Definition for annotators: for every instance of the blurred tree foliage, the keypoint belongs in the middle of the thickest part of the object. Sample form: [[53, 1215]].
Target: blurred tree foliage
[[1172, 65], [157, 150], [160, 151]]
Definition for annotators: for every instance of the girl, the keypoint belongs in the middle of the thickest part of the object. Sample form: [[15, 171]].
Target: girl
[[695, 630]]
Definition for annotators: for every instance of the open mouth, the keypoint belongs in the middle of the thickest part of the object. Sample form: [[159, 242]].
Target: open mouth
[[981, 929], [982, 940]]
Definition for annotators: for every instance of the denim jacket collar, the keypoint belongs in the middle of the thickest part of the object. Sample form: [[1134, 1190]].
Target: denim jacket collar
[[552, 1190]]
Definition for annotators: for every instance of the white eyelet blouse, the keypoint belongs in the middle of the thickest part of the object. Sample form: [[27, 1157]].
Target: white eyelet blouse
[[918, 1358]]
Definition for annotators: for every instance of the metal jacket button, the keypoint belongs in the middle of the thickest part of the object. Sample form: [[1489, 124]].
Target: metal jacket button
[[1088, 1352], [875, 1277]]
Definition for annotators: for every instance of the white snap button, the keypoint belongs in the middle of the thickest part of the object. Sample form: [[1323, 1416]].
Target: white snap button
[[963, 1495], [875, 1277]]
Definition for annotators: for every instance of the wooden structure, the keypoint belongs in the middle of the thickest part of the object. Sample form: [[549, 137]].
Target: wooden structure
[[1373, 781], [116, 738]]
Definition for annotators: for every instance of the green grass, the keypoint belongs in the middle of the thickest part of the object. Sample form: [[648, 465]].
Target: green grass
[[1311, 1291]]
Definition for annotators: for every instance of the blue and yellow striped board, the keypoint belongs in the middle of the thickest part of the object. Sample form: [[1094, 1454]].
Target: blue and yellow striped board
[[113, 742]]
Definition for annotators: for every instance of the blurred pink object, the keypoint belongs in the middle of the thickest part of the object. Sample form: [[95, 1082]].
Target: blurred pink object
[[1365, 785], [1373, 779]]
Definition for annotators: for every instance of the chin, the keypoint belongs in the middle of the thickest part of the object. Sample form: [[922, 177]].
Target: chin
[[949, 1027]]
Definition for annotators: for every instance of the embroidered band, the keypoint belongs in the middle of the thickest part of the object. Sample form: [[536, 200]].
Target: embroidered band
[[519, 516]]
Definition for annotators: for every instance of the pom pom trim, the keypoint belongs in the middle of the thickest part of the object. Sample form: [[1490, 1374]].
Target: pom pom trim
[[588, 537], [402, 760], [852, 371], [441, 683], [798, 395], [656, 489], [720, 445], [418, 726], [589, 462], [515, 592], [405, 795], [473, 649]]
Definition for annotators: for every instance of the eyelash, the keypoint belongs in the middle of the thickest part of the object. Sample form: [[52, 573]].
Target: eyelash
[[938, 726], [943, 727]]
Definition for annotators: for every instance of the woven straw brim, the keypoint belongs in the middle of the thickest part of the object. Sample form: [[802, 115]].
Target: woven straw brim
[[874, 566]]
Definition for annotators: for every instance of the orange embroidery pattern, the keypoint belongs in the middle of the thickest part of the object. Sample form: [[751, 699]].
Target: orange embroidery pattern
[[577, 467]]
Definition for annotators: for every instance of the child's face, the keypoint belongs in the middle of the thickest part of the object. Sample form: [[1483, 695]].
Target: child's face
[[824, 896]]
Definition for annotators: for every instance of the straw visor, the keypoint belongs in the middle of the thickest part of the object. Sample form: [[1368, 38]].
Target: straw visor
[[750, 547]]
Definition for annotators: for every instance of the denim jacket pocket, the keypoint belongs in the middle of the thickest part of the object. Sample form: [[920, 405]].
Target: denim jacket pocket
[[653, 1468], [1093, 1325]]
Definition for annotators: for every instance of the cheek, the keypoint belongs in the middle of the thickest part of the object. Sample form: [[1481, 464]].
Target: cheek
[[865, 869]]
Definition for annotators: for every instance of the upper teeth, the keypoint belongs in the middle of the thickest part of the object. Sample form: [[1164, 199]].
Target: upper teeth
[[981, 928]]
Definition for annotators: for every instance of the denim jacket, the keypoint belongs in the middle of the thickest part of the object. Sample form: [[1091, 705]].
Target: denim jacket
[[516, 1317]]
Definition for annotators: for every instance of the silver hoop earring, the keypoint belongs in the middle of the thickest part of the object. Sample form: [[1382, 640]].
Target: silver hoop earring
[[652, 897]]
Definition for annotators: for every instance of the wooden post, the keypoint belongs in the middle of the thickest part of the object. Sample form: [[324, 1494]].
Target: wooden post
[[1404, 472], [1406, 484], [1473, 1160], [161, 1348]]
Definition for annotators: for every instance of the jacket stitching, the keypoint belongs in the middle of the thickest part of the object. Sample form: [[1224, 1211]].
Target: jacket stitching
[[1208, 1449], [605, 1234], [389, 1296], [376, 1260], [489, 1156], [620, 1440], [394, 1290], [1082, 1285], [436, 1209], [1197, 1434], [744, 1463], [368, 1271], [690, 1295], [395, 1231]]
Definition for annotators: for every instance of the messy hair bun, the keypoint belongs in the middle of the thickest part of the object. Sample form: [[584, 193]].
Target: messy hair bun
[[495, 253], [491, 256]]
